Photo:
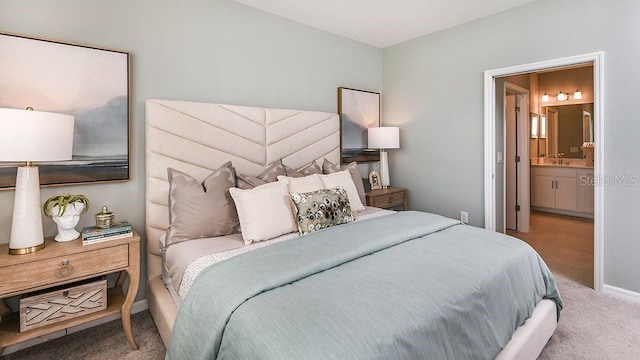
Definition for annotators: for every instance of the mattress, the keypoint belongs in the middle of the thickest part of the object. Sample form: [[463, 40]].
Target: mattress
[[185, 260]]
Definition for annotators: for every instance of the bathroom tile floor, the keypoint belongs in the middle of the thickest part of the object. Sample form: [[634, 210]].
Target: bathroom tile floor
[[565, 243]]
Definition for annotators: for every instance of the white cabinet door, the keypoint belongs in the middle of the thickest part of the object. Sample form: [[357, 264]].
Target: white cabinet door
[[544, 194], [566, 193], [585, 192]]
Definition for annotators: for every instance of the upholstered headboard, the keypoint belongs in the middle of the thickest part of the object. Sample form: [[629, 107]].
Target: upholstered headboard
[[197, 138]]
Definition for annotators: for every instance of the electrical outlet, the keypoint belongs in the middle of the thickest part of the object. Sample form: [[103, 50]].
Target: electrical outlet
[[464, 217]]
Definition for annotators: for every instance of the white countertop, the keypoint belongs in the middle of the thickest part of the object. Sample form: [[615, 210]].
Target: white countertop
[[566, 163]]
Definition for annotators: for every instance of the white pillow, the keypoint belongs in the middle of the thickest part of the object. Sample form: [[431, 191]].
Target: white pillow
[[302, 184], [264, 211], [343, 179]]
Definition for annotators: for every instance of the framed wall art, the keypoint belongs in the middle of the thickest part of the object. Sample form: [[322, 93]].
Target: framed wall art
[[359, 110], [90, 83]]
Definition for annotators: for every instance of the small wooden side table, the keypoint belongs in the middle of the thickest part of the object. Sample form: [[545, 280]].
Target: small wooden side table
[[388, 198], [61, 263]]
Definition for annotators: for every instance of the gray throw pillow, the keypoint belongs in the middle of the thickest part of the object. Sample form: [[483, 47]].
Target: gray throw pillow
[[269, 175], [310, 169], [321, 209], [201, 209], [329, 168]]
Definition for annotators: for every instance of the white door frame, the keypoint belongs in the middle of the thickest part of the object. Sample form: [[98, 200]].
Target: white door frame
[[490, 150], [523, 182]]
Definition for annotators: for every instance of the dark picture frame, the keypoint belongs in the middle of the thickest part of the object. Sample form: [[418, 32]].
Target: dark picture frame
[[359, 110], [90, 83]]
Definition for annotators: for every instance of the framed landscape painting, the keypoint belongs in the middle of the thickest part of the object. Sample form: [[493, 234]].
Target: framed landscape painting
[[359, 110], [92, 84]]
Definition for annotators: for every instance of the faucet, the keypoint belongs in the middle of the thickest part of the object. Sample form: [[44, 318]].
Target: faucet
[[560, 157]]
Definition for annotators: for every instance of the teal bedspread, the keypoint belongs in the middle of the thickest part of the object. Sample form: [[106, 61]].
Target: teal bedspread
[[410, 285]]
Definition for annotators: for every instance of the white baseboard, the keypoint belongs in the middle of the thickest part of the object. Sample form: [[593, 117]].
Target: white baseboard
[[621, 293], [137, 307]]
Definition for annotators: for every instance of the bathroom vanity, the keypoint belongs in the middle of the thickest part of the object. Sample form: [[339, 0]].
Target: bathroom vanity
[[563, 188]]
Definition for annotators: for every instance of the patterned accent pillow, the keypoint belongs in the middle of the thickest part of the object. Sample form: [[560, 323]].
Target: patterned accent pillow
[[321, 209]]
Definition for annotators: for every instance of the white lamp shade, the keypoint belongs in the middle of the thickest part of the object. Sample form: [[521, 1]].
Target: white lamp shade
[[27, 135], [383, 137]]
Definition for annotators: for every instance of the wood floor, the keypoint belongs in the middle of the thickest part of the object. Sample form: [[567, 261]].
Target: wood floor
[[565, 243]]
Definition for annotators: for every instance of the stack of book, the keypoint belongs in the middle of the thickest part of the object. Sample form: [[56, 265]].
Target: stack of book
[[92, 234]]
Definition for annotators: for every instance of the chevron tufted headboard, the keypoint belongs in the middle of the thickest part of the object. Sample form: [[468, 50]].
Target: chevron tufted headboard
[[197, 138]]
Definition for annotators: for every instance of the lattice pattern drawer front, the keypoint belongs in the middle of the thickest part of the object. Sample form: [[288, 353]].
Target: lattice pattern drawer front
[[42, 310]]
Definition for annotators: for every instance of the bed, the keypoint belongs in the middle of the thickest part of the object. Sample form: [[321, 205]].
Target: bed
[[198, 138]]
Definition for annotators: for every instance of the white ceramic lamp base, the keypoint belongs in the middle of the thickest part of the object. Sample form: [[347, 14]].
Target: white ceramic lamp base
[[26, 223], [384, 169]]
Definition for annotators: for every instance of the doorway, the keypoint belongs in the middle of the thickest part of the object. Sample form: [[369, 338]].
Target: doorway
[[494, 186], [558, 131]]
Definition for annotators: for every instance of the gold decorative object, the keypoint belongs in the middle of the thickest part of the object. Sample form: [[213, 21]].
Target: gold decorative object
[[105, 219]]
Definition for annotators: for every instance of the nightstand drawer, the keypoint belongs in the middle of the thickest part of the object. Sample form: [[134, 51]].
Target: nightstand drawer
[[389, 200], [63, 268]]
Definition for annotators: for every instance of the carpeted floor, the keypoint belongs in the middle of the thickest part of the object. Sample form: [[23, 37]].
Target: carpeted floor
[[592, 326], [103, 342]]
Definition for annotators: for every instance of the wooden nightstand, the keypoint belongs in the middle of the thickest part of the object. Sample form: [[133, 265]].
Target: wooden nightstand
[[62, 263], [388, 198]]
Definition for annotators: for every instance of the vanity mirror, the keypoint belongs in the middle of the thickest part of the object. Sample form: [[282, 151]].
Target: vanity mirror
[[567, 128]]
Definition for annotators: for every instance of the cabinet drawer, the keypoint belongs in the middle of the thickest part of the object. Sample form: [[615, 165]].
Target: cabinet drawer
[[61, 269], [389, 200], [555, 171]]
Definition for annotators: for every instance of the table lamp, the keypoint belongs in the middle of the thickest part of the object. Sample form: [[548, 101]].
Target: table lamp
[[27, 136], [384, 138]]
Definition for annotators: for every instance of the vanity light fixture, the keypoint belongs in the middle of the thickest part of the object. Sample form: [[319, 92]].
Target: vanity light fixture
[[577, 95], [534, 126], [545, 97], [562, 96], [543, 126]]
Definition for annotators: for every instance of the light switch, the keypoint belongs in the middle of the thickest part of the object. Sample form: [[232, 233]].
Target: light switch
[[499, 157]]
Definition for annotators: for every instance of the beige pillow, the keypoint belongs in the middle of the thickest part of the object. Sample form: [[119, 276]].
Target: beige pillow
[[302, 184], [201, 209], [269, 175], [328, 168], [310, 169], [343, 179], [264, 212]]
